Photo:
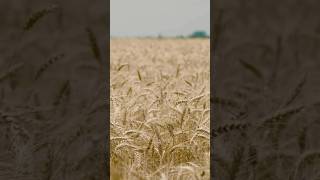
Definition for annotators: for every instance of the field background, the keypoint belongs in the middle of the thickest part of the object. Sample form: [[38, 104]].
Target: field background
[[160, 112]]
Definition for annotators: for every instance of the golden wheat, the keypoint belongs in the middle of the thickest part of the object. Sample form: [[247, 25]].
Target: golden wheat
[[159, 109]]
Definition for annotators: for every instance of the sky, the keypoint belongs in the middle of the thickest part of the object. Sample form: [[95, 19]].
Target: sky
[[154, 17]]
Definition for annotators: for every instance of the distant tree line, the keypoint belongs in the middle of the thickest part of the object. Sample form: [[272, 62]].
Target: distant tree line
[[195, 34], [199, 34]]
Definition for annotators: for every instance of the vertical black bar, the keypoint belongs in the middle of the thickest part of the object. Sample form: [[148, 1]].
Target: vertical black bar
[[54, 89], [265, 89], [108, 93], [214, 36], [212, 66]]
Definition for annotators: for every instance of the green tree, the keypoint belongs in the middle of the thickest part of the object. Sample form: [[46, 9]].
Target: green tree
[[199, 34]]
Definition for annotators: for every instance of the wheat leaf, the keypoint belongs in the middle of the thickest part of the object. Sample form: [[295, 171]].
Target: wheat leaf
[[251, 68]]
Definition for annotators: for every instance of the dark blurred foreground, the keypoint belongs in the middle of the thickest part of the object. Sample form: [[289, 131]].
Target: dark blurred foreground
[[266, 90], [53, 110]]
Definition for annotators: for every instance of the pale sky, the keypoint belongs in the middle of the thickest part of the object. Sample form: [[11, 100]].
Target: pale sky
[[154, 17]]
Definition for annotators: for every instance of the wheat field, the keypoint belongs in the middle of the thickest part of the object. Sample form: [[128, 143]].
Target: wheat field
[[159, 108]]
